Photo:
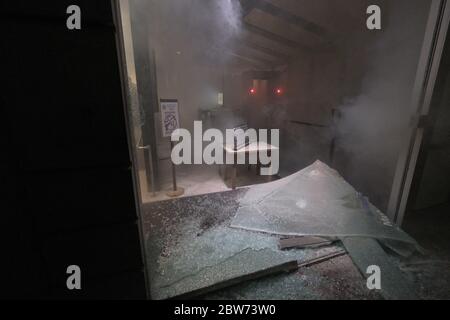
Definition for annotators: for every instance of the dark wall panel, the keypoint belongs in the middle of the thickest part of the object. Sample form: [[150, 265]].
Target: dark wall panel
[[99, 12], [88, 198], [99, 252], [68, 112], [66, 178]]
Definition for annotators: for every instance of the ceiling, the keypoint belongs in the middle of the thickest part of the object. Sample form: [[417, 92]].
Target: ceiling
[[276, 30]]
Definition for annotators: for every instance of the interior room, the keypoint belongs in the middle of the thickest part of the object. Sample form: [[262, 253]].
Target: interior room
[[338, 93], [265, 66]]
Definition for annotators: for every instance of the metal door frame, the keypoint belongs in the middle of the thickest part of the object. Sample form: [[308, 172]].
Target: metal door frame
[[430, 58], [126, 63]]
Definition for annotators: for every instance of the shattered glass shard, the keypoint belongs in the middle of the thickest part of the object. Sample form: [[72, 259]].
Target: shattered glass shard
[[314, 201]]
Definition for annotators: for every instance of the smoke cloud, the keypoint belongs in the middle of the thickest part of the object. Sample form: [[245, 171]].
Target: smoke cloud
[[374, 123]]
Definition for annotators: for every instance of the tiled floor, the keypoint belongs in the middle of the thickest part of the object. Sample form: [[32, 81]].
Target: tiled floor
[[197, 180]]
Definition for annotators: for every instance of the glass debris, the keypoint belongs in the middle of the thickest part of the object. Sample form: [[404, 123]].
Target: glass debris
[[314, 201]]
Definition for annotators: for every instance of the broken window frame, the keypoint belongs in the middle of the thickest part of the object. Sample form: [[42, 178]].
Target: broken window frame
[[427, 71], [122, 21]]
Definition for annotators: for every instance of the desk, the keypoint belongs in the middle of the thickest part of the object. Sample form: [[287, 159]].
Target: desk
[[252, 148]]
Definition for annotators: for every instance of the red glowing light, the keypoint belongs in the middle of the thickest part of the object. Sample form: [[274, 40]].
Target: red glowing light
[[252, 91], [279, 91]]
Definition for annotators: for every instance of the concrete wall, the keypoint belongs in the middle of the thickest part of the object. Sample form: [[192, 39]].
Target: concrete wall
[[189, 67], [195, 85], [313, 83]]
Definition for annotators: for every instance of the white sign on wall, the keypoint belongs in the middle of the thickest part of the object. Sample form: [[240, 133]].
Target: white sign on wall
[[170, 117]]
